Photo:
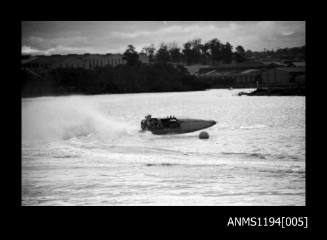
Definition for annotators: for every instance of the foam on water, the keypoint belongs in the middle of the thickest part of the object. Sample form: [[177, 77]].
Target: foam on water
[[71, 117], [253, 126]]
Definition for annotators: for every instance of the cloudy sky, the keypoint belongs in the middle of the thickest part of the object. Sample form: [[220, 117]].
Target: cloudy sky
[[62, 37]]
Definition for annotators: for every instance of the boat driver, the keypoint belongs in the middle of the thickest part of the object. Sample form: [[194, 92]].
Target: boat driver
[[147, 119]]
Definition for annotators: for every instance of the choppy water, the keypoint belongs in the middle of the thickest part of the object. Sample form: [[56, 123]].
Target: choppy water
[[87, 150]]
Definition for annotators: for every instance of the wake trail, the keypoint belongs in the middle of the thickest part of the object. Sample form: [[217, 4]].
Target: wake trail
[[69, 117]]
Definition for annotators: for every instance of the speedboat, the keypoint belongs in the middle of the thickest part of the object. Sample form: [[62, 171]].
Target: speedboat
[[172, 125]]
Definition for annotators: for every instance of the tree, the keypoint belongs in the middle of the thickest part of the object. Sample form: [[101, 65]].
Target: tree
[[149, 51], [131, 56], [192, 51], [216, 50], [197, 46], [227, 53], [205, 53], [240, 54], [162, 54], [174, 52], [187, 51], [248, 54]]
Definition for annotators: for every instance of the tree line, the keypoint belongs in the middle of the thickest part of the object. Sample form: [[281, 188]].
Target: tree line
[[196, 52], [294, 53], [214, 51]]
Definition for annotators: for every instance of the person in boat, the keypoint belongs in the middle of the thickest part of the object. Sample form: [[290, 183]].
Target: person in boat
[[155, 123], [170, 122], [145, 123], [148, 119], [150, 122]]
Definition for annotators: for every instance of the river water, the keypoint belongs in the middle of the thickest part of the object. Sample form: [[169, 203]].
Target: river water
[[87, 150]]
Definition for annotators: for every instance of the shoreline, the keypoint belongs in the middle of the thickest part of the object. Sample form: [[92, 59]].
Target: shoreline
[[256, 92], [275, 92]]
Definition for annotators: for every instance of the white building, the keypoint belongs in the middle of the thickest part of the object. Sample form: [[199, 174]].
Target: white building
[[98, 60], [88, 61]]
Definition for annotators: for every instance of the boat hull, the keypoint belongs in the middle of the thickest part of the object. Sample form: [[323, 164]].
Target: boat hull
[[186, 126]]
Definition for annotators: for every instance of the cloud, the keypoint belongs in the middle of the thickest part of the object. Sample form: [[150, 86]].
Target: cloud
[[104, 37], [51, 42], [287, 33], [60, 49], [130, 35], [176, 33], [251, 35], [29, 50]]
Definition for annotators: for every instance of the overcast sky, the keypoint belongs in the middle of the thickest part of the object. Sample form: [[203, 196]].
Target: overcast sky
[[62, 37]]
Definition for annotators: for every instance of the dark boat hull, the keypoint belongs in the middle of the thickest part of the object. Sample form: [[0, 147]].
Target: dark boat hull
[[186, 126]]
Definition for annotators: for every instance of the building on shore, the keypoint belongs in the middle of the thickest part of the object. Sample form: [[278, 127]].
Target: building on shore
[[243, 65], [196, 69], [284, 77], [249, 78], [87, 61], [274, 64], [269, 74], [296, 64], [99, 60], [231, 77]]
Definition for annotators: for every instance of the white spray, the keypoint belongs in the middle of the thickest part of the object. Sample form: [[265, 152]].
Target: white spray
[[61, 118]]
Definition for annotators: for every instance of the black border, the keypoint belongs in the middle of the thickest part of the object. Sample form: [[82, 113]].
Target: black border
[[164, 219]]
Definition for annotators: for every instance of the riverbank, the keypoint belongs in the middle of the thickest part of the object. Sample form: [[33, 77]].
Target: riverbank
[[128, 79], [275, 92], [108, 80]]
